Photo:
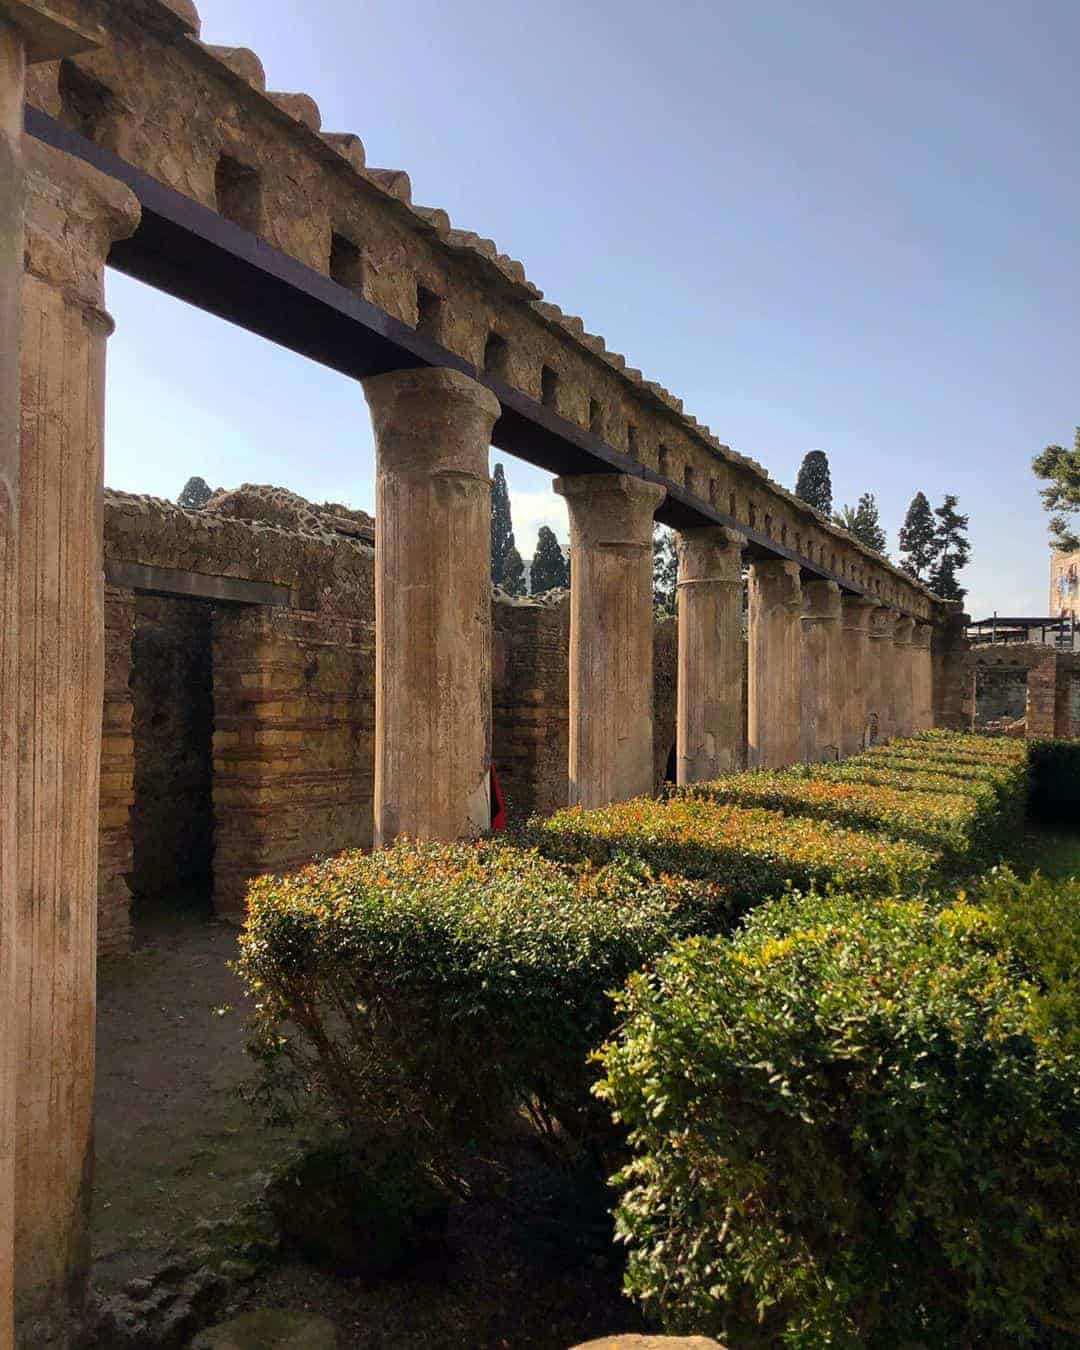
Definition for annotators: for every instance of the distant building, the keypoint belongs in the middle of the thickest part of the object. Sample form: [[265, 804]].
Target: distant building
[[1065, 585]]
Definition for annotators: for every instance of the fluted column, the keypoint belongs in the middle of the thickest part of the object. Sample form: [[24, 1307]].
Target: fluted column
[[903, 689], [855, 673], [775, 657], [922, 678], [432, 603], [881, 674], [953, 686], [73, 214], [709, 735], [611, 635], [822, 676]]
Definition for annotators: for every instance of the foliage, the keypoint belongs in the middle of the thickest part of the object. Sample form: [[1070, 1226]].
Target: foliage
[[1055, 781], [549, 571], [918, 538], [814, 483], [754, 852], [502, 526], [856, 1124], [665, 570], [426, 993], [952, 551], [195, 494], [864, 522], [513, 581], [1060, 470]]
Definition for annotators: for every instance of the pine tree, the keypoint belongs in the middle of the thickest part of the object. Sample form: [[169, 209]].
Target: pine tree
[[548, 565], [953, 551], [502, 527], [665, 569], [513, 582], [864, 522], [918, 538], [1060, 468], [814, 484], [196, 493]]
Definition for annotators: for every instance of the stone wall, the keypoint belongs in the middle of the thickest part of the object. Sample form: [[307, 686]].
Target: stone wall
[[1000, 696], [117, 776]]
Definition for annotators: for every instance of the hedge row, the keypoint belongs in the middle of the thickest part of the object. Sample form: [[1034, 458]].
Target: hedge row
[[1055, 781], [857, 1124]]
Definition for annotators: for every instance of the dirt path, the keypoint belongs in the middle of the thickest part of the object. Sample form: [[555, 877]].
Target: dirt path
[[174, 1142]]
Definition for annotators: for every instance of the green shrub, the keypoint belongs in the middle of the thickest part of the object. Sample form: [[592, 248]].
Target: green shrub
[[1055, 781], [855, 1124], [425, 993], [959, 824], [753, 852]]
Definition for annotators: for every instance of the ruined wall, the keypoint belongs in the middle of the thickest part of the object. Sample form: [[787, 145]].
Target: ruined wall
[[172, 818], [1000, 696], [117, 776]]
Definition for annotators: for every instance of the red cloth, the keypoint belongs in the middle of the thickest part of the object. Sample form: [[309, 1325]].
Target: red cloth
[[498, 805]]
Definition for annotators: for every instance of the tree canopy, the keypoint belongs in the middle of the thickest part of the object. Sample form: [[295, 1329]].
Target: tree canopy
[[195, 494], [864, 522], [665, 569], [952, 551], [814, 484], [918, 538], [548, 571], [513, 579], [1060, 470], [502, 527]]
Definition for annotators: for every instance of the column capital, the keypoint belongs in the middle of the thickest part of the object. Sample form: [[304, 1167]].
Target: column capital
[[903, 630], [710, 553], [922, 635], [431, 420], [778, 582], [821, 600], [46, 35], [856, 612], [74, 213], [883, 623], [611, 509]]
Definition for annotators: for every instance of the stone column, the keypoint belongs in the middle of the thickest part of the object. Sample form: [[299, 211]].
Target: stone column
[[903, 690], [28, 34], [822, 675], [882, 675], [432, 603], [953, 687], [1063, 719], [73, 215], [855, 675], [611, 635], [922, 678], [775, 659], [709, 729]]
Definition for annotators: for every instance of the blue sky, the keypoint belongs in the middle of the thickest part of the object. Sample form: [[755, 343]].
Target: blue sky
[[846, 226]]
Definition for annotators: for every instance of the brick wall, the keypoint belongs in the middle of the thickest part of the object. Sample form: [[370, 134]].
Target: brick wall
[[117, 776]]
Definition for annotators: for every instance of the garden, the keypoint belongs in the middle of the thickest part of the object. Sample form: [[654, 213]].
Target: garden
[[817, 1030]]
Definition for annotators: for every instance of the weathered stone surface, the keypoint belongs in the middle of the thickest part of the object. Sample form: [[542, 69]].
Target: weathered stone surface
[[775, 665], [433, 603], [270, 1329], [711, 654], [611, 636], [881, 675], [822, 675], [651, 1343], [855, 673]]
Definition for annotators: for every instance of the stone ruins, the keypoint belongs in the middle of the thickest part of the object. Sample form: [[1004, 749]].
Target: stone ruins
[[168, 159]]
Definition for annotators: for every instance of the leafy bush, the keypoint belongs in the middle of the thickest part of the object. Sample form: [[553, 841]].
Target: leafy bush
[[425, 993], [953, 822], [754, 852], [855, 1124], [1055, 781]]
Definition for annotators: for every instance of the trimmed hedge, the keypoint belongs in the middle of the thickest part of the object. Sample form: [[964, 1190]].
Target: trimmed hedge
[[428, 992], [857, 1124], [754, 852]]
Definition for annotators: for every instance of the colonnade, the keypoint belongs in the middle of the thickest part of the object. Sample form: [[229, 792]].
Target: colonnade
[[819, 663]]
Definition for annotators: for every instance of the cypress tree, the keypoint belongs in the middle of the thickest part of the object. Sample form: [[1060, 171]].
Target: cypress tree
[[864, 522], [196, 493], [814, 484], [953, 550], [548, 565], [918, 538], [513, 582], [502, 527]]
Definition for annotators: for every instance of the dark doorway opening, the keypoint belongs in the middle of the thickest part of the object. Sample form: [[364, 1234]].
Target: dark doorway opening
[[172, 819]]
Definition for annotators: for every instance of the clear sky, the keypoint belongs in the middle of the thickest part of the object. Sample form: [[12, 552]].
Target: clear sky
[[846, 225]]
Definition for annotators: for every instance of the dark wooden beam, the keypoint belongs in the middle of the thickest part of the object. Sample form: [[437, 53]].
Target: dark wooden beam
[[195, 585]]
